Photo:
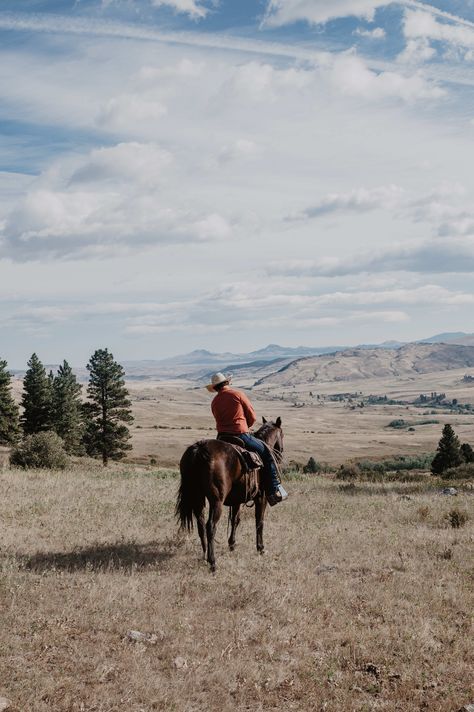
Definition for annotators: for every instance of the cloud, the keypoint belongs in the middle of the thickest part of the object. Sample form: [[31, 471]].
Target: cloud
[[128, 110], [112, 199], [378, 33], [360, 200], [194, 8], [417, 51], [422, 25], [285, 12], [352, 76], [240, 150], [430, 256]]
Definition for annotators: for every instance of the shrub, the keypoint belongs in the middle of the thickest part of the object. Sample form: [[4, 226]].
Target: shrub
[[399, 423], [457, 518], [467, 452], [348, 471], [312, 466], [463, 472], [45, 450]]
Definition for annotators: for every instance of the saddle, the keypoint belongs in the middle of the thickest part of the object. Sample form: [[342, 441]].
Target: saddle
[[249, 460]]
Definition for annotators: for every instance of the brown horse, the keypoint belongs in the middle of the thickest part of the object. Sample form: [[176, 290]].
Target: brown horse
[[211, 469]]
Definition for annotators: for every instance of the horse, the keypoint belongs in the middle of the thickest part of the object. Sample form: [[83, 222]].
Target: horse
[[211, 470]]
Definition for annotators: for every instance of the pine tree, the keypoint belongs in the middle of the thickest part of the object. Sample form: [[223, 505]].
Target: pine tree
[[66, 412], [467, 452], [311, 466], [36, 399], [9, 412], [448, 453], [107, 410]]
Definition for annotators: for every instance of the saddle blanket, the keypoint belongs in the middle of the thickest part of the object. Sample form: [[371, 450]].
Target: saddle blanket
[[249, 460]]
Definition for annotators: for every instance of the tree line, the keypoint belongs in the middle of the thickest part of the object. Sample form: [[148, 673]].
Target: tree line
[[52, 403]]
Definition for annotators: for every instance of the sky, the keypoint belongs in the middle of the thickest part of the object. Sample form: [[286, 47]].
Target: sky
[[224, 174]]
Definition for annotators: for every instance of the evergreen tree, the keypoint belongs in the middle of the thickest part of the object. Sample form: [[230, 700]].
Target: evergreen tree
[[467, 452], [66, 412], [107, 410], [311, 466], [9, 413], [448, 453], [36, 399]]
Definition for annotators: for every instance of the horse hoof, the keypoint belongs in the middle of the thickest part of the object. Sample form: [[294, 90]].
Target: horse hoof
[[231, 547], [213, 568], [261, 552]]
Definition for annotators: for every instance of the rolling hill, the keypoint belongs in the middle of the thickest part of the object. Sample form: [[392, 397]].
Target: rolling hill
[[355, 364]]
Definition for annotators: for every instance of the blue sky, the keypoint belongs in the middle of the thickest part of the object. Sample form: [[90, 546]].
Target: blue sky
[[186, 174]]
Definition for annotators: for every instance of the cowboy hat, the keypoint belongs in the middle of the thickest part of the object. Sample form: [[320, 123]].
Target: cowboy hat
[[216, 379]]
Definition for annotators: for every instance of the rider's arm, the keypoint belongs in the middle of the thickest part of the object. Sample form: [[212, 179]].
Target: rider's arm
[[249, 412]]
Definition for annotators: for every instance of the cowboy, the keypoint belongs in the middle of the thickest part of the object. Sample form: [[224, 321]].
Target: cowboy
[[235, 415]]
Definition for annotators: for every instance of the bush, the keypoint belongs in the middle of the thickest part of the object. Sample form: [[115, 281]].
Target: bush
[[399, 423], [45, 450], [457, 518], [312, 466], [349, 471], [463, 472]]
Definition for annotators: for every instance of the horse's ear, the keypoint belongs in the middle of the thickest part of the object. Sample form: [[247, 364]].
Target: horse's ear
[[264, 420], [278, 422]]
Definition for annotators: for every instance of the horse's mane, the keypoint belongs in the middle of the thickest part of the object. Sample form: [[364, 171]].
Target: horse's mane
[[264, 430]]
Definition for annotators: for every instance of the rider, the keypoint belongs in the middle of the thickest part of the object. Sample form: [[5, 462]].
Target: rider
[[235, 415]]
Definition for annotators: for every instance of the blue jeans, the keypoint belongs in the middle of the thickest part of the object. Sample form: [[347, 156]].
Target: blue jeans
[[270, 476]]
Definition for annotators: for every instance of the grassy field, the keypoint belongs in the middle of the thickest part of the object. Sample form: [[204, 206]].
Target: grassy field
[[363, 601]]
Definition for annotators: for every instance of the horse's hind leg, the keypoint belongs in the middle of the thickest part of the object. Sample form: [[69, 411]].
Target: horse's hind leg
[[215, 511], [202, 531], [260, 506], [234, 523]]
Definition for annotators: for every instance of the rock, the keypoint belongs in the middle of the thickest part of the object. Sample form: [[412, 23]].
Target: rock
[[323, 569], [180, 663], [136, 636], [4, 704], [451, 491]]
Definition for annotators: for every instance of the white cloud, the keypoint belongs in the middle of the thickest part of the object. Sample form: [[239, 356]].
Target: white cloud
[[127, 111], [284, 12], [351, 75], [430, 256], [356, 201], [110, 200], [378, 33], [419, 25], [194, 8], [240, 150], [417, 51]]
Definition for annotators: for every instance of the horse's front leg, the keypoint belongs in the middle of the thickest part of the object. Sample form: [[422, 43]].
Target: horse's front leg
[[234, 523], [260, 506]]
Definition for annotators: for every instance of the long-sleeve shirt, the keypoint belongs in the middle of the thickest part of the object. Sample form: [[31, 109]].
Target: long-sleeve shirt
[[233, 412]]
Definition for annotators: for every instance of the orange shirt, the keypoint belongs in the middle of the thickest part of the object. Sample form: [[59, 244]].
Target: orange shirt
[[233, 412]]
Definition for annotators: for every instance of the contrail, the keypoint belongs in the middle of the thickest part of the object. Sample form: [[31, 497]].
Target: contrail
[[435, 11]]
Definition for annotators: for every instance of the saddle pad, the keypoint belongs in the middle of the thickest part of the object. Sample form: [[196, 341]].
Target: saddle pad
[[249, 459]]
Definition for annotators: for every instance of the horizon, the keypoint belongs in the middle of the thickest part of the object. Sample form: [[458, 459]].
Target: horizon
[[211, 174], [52, 363]]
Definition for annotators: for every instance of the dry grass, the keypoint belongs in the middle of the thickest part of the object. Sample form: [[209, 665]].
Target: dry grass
[[363, 602]]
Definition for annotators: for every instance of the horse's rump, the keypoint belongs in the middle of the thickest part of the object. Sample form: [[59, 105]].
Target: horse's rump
[[208, 469]]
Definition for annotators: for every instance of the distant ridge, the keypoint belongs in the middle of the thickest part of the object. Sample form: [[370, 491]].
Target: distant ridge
[[358, 364]]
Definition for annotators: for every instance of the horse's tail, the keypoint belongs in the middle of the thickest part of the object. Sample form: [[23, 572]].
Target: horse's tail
[[191, 499]]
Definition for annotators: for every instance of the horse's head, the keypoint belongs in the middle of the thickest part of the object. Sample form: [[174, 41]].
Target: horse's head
[[272, 434]]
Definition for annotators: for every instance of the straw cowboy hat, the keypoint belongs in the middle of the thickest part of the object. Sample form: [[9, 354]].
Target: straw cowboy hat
[[216, 379]]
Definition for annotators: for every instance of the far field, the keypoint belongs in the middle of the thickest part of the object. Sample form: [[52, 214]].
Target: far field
[[363, 601], [171, 415]]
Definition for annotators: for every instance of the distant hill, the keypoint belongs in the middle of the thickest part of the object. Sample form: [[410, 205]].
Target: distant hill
[[355, 364], [450, 337]]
